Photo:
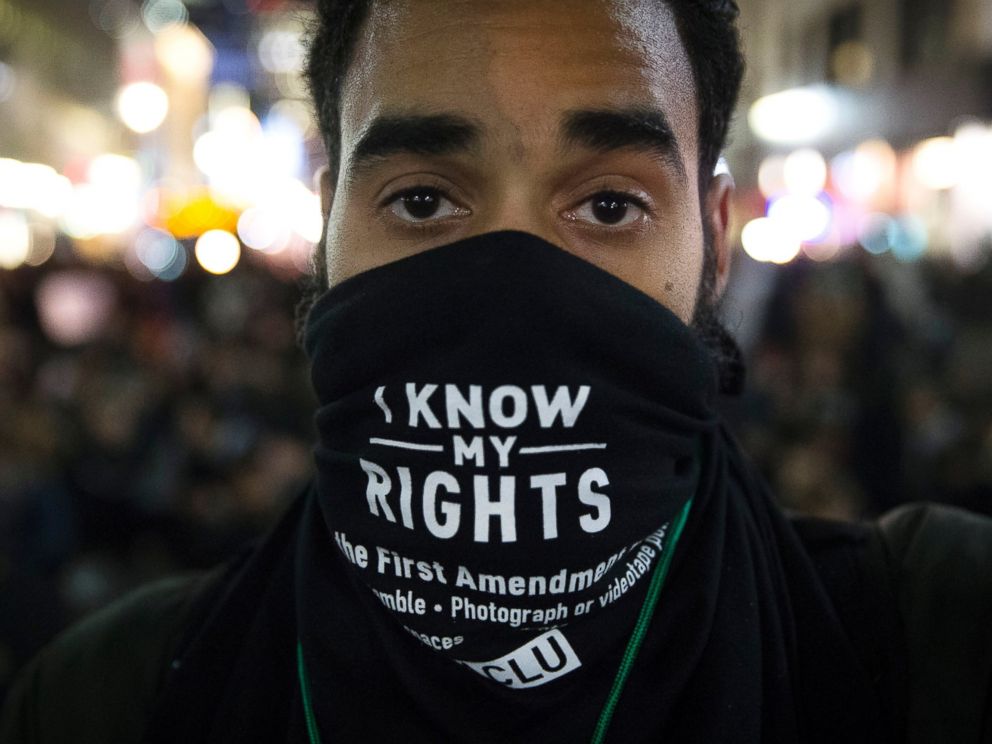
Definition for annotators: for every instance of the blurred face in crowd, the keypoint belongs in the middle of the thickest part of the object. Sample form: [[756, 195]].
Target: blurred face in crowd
[[573, 120]]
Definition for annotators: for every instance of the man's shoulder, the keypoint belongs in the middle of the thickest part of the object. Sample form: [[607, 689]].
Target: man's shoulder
[[102, 674], [925, 538], [940, 560], [928, 566], [920, 544]]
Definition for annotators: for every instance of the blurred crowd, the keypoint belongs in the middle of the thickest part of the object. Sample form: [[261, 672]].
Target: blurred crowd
[[162, 444], [182, 428], [869, 386]]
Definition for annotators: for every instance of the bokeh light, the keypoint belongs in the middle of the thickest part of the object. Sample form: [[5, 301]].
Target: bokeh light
[[142, 106], [861, 173], [42, 243], [281, 50], [185, 53], [806, 218], [908, 238], [823, 250], [160, 253], [94, 211], [283, 143], [935, 163], [113, 172], [766, 240], [263, 230], [118, 18], [297, 111], [192, 214], [875, 233], [970, 224], [229, 154], [805, 172], [852, 63], [109, 203], [230, 145], [75, 306], [795, 116], [226, 95], [217, 251], [15, 239], [771, 176], [160, 14], [33, 186], [50, 193], [177, 267], [10, 195], [32, 181], [303, 207]]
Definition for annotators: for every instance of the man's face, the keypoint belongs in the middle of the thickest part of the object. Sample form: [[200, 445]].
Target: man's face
[[574, 120]]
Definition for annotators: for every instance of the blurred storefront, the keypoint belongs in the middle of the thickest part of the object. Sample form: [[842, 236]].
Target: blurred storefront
[[134, 129], [866, 122]]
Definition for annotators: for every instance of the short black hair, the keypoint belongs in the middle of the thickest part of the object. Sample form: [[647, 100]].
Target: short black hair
[[708, 32]]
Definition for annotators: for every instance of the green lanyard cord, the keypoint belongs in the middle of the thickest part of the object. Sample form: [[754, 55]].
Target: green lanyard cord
[[301, 669], [626, 664], [641, 626]]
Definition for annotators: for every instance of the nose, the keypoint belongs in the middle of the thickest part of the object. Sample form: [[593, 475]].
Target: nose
[[520, 207]]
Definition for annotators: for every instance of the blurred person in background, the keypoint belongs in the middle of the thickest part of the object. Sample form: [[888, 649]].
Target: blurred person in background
[[528, 522]]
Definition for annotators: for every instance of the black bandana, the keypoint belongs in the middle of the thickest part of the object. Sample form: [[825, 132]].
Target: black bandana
[[493, 462], [744, 645]]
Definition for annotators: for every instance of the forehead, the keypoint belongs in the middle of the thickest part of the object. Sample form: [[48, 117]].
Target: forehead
[[515, 65]]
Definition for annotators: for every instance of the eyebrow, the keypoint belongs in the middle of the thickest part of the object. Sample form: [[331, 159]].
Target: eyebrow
[[414, 134], [639, 127], [600, 130]]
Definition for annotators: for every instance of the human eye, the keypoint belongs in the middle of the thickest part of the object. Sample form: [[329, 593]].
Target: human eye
[[422, 204], [611, 209]]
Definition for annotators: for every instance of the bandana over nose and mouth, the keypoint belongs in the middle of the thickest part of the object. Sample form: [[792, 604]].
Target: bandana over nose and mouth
[[506, 433]]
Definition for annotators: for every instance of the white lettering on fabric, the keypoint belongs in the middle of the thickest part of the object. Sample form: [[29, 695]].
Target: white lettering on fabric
[[559, 405], [440, 500], [448, 525], [476, 494], [502, 508], [599, 501], [503, 448], [548, 484], [517, 399], [417, 401], [458, 406], [507, 406], [537, 662], [474, 451]]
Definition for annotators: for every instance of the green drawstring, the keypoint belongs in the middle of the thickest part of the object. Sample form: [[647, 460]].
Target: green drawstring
[[629, 656]]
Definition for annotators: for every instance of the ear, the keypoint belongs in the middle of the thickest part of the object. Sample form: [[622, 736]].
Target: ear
[[717, 213], [324, 185]]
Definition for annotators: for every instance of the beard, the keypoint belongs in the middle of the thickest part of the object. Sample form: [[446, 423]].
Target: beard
[[708, 326]]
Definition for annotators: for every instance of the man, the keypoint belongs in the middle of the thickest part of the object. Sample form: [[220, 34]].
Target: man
[[527, 522]]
